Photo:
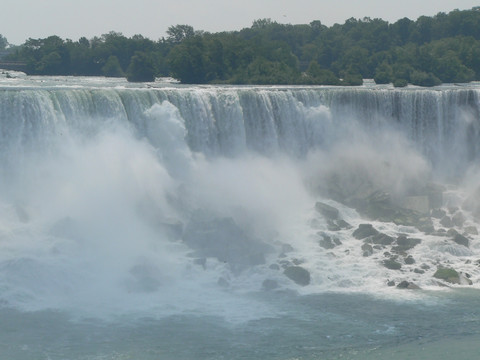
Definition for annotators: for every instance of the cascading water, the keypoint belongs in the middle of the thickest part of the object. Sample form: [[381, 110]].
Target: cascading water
[[124, 202]]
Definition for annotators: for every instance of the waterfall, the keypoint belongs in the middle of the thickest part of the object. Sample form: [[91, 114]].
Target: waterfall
[[145, 196]]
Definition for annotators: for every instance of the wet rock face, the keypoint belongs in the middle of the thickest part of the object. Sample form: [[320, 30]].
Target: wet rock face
[[392, 264], [328, 242], [223, 239], [407, 285], [448, 275], [329, 212], [364, 230], [404, 244], [298, 274]]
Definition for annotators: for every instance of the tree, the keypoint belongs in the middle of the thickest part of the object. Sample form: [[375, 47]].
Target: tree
[[3, 42], [141, 68], [178, 33], [112, 67]]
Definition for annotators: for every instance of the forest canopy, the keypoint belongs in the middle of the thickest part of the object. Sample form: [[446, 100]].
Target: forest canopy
[[431, 50]]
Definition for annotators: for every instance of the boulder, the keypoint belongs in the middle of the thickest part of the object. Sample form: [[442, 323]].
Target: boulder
[[364, 230], [458, 219], [269, 284], [327, 242], [367, 250], [420, 203], [223, 239], [409, 260], [461, 240], [405, 244], [471, 230], [438, 213], [446, 221], [344, 225], [407, 285], [392, 264], [448, 275], [329, 212], [381, 239], [298, 274]]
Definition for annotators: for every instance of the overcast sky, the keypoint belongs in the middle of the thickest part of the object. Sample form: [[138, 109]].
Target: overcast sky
[[23, 19]]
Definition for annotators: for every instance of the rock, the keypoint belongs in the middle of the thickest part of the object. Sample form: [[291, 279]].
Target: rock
[[458, 219], [269, 284], [332, 226], [381, 239], [420, 204], [367, 250], [329, 212], [286, 248], [364, 230], [327, 242], [452, 209], [405, 244], [439, 232], [471, 230], [418, 271], [438, 213], [391, 283], [448, 275], [344, 225], [298, 274], [446, 221], [392, 264], [461, 240], [451, 232], [223, 239], [407, 285], [409, 260], [425, 224]]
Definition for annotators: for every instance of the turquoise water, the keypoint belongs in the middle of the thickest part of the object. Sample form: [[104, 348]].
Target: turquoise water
[[328, 326]]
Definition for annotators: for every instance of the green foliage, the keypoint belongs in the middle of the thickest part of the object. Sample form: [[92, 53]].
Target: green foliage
[[422, 78], [179, 33], [3, 42], [352, 78], [112, 67], [383, 74], [141, 68], [425, 52], [318, 76], [400, 83]]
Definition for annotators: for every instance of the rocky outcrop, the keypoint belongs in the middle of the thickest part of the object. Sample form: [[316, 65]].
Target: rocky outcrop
[[407, 285], [364, 230], [223, 239], [448, 275], [298, 275], [328, 242], [404, 244], [392, 264], [329, 212]]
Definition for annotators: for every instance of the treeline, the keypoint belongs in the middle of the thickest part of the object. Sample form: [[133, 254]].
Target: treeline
[[426, 52]]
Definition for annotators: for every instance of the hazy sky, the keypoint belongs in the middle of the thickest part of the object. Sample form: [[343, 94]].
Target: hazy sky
[[23, 19]]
